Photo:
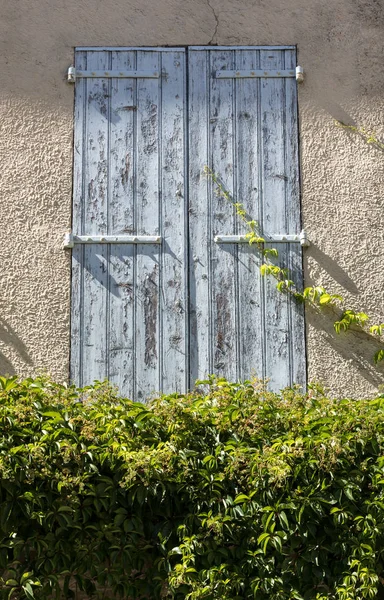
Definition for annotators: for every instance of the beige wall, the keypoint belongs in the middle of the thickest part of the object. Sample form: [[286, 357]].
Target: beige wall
[[340, 46]]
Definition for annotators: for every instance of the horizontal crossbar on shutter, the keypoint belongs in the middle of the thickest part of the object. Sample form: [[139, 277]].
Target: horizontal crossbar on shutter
[[74, 74], [254, 73], [70, 240], [275, 239]]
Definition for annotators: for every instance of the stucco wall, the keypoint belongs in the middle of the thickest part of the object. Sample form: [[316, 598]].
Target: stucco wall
[[340, 47]]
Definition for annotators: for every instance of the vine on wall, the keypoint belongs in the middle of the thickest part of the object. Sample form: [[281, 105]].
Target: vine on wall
[[316, 295]]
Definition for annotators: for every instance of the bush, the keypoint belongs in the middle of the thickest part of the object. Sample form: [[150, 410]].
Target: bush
[[226, 493]]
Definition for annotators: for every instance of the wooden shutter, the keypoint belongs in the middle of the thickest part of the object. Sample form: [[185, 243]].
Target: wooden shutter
[[245, 129], [129, 301], [155, 317]]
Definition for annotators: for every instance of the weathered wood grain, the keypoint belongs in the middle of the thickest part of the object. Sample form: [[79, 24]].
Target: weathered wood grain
[[251, 331], [155, 317], [274, 217], [96, 165], [174, 278], [296, 311], [77, 223], [251, 142], [223, 257], [121, 213], [147, 330], [200, 230]]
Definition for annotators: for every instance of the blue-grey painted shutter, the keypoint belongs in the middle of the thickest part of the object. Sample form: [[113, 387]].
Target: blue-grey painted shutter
[[155, 317], [129, 301], [245, 129]]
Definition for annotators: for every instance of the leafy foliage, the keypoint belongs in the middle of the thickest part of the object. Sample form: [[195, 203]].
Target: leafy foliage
[[226, 493], [350, 317]]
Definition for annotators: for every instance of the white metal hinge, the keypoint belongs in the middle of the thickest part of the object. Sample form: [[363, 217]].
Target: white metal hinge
[[304, 241], [299, 74], [74, 74], [71, 75], [70, 239], [270, 239]]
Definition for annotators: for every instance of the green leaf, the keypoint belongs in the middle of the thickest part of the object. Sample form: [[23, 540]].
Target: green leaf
[[241, 498], [283, 519], [53, 414], [325, 299], [379, 355], [28, 590]]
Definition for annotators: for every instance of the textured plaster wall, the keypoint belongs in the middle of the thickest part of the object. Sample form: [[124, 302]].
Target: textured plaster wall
[[340, 47]]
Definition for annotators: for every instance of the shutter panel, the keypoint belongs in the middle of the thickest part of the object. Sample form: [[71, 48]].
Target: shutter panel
[[246, 131], [152, 316], [129, 302]]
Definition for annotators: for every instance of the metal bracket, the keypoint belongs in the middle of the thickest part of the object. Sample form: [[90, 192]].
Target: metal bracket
[[299, 74], [70, 239], [304, 241], [253, 73], [74, 74], [71, 75], [270, 239]]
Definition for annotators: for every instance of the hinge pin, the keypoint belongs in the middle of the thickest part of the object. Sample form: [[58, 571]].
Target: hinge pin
[[68, 240], [299, 74], [71, 77], [304, 241]]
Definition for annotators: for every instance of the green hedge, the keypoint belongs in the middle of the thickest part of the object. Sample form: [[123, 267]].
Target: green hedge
[[227, 493]]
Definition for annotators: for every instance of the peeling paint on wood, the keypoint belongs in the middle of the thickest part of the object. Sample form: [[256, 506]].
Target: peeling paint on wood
[[246, 130], [146, 316], [150, 294]]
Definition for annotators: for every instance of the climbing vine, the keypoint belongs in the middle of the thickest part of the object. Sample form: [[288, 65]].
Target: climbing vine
[[315, 295], [368, 136]]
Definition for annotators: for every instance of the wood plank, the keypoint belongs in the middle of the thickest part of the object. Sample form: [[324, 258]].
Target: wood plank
[[296, 325], [122, 362], [223, 257], [251, 306], [174, 315], [277, 353], [96, 280], [200, 235], [77, 283], [147, 222], [77, 225]]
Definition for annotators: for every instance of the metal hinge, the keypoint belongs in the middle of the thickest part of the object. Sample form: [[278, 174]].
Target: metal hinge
[[74, 74], [270, 239], [299, 74], [70, 239]]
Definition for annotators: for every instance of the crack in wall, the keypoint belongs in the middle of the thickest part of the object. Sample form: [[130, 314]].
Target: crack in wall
[[217, 22]]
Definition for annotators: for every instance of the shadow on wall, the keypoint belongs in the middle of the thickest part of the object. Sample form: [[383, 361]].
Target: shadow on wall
[[337, 112], [9, 338], [352, 128], [360, 348], [333, 268]]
